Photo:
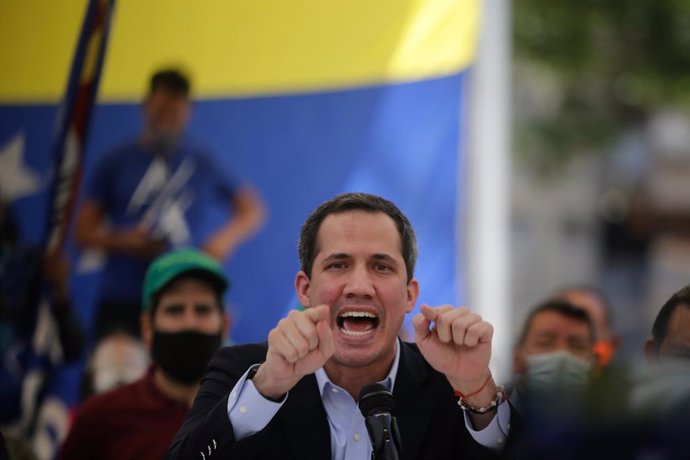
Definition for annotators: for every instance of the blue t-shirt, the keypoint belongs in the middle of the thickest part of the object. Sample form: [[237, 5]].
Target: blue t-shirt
[[182, 198]]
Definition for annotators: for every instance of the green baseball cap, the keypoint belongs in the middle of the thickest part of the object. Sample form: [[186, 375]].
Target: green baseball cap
[[175, 263]]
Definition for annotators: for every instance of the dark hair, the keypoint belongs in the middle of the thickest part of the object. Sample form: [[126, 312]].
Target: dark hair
[[563, 308], [356, 202], [172, 80], [660, 327], [199, 275], [595, 292]]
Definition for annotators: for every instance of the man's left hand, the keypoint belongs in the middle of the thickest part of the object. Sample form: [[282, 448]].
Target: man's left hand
[[458, 345]]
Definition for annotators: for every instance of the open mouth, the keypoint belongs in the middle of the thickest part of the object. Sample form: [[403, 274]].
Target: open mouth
[[357, 323]]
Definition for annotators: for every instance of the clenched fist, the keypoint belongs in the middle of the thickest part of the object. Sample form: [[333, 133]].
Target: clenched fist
[[300, 344]]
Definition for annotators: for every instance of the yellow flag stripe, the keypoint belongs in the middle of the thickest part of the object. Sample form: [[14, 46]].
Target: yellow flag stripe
[[38, 39], [243, 47]]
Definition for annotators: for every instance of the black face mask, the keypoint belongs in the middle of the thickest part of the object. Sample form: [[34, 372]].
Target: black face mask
[[183, 356]]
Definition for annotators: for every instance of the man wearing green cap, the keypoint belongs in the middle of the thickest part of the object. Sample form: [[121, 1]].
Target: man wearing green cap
[[183, 323]]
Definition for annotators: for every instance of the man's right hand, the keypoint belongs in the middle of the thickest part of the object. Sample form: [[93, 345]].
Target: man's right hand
[[138, 242], [299, 345], [91, 232]]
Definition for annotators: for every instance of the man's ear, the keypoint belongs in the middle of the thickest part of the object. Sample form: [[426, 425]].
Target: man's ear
[[412, 294], [302, 285], [650, 351], [146, 325], [227, 322]]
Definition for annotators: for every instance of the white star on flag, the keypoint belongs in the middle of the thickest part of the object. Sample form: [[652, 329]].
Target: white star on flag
[[16, 179]]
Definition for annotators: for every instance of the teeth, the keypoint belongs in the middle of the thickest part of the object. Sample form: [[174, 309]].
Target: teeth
[[357, 314], [357, 333]]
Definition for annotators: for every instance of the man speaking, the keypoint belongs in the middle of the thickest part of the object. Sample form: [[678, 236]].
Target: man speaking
[[295, 397]]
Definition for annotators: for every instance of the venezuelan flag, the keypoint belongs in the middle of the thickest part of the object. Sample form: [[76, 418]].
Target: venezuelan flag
[[305, 99]]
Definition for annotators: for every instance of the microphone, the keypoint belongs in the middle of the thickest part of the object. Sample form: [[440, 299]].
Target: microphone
[[376, 404]]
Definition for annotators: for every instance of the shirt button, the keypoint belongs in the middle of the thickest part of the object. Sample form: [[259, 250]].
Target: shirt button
[[334, 390], [500, 440], [356, 437], [243, 409]]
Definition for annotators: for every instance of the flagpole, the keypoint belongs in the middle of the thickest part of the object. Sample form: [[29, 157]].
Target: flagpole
[[72, 123], [487, 179], [67, 158]]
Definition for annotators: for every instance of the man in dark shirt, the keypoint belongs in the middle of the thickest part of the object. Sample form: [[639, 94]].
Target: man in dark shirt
[[183, 324]]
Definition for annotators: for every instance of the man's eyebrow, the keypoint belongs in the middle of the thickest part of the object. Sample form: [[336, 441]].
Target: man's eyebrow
[[576, 337], [545, 334], [384, 257], [336, 256], [577, 340], [203, 304]]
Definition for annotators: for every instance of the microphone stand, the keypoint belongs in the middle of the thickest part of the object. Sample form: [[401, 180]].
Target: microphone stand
[[384, 441], [377, 405]]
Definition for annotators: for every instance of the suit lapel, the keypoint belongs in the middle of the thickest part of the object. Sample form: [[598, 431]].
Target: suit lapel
[[414, 402], [305, 421]]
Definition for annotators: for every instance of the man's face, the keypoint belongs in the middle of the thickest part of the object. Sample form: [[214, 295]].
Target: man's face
[[677, 341], [186, 304], [551, 331], [360, 273], [166, 113]]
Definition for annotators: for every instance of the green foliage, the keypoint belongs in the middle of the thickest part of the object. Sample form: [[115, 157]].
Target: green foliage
[[616, 62]]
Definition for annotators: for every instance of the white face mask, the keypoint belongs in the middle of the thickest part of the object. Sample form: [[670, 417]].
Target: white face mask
[[661, 388], [117, 361], [558, 370]]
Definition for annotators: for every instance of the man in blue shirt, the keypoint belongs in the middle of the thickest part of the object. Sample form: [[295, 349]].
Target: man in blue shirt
[[157, 192], [296, 396]]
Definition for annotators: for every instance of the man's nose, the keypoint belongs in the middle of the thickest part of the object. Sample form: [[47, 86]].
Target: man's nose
[[190, 318], [360, 282]]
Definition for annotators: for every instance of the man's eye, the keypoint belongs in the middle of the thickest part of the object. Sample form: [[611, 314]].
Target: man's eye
[[336, 266], [579, 346], [204, 309], [382, 268], [173, 310]]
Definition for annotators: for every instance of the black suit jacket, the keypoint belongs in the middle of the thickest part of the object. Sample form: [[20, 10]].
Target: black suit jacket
[[430, 422]]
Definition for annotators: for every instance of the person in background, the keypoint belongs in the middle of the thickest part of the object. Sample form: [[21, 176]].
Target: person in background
[[39, 333], [118, 359], [183, 324], [554, 352], [596, 304], [158, 192], [566, 408], [664, 386], [660, 397], [671, 330]]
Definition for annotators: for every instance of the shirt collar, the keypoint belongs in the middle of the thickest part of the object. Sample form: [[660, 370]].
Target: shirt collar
[[323, 381]]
